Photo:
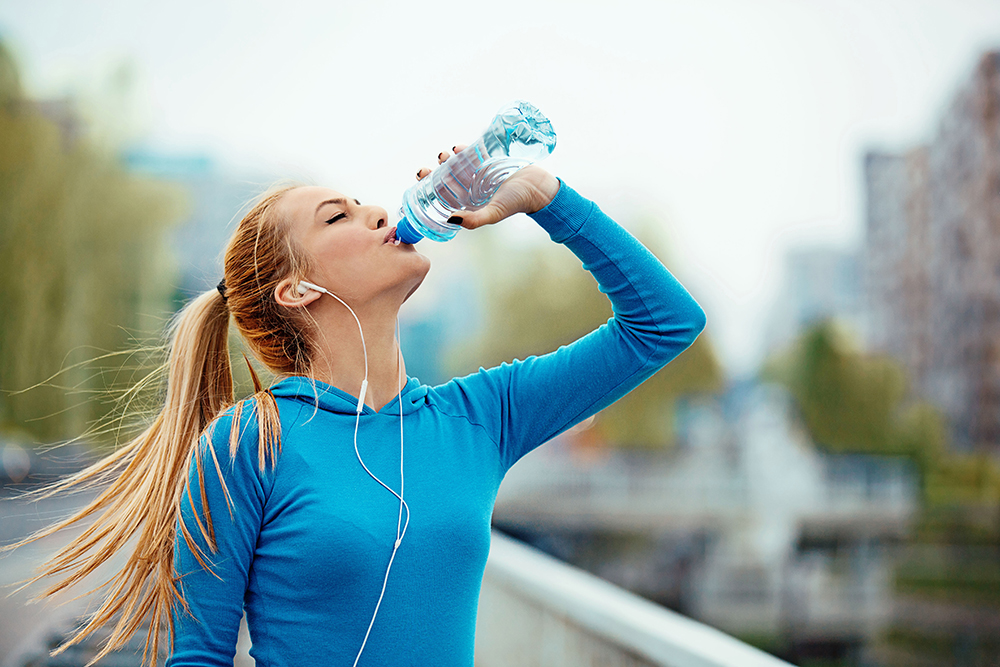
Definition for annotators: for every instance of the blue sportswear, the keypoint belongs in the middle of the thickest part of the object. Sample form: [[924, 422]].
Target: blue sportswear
[[305, 547]]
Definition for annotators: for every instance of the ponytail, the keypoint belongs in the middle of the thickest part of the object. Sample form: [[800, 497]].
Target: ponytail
[[138, 511]]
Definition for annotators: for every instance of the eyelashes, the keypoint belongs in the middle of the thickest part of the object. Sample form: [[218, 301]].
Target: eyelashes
[[340, 216]]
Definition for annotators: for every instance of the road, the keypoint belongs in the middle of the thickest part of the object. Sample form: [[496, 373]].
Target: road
[[24, 626]]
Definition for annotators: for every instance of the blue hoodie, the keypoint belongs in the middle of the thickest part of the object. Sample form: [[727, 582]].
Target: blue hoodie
[[305, 548]]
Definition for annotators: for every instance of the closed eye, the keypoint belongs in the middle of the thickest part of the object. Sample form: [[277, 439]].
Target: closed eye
[[339, 216]]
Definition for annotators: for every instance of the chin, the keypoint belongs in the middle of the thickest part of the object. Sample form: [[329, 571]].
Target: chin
[[419, 280]]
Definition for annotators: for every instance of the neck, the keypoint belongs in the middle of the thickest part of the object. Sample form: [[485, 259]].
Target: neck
[[339, 359]]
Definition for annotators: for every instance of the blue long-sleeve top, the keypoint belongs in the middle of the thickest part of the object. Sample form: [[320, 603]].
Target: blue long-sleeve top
[[305, 549]]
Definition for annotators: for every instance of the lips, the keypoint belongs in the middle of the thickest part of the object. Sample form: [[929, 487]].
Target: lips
[[390, 237]]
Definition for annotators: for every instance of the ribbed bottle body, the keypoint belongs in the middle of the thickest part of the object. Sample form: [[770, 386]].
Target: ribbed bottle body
[[518, 136]]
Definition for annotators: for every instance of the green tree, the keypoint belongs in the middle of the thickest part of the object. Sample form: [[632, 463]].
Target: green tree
[[854, 402], [82, 262], [848, 399], [539, 299]]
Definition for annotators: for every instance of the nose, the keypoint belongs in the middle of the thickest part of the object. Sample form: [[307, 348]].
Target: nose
[[377, 217]]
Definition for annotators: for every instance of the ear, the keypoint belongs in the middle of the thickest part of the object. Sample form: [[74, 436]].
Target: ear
[[286, 294]]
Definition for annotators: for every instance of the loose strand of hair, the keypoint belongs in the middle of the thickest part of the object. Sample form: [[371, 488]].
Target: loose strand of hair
[[140, 505], [142, 484]]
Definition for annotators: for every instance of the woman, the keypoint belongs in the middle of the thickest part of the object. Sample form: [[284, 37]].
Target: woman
[[297, 505]]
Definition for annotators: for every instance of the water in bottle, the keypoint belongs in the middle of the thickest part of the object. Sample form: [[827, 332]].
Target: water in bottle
[[518, 136]]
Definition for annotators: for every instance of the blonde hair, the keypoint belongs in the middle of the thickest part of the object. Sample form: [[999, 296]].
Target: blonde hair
[[148, 476]]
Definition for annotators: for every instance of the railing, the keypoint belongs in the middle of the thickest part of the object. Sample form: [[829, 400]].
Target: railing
[[533, 610], [536, 610], [556, 492]]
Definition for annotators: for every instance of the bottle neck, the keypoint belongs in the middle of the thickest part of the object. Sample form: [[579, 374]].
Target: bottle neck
[[405, 231]]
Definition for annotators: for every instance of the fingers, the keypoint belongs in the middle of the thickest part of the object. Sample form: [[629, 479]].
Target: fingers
[[441, 158], [444, 155], [488, 215]]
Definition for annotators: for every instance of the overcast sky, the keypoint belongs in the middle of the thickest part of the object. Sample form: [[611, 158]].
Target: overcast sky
[[740, 124]]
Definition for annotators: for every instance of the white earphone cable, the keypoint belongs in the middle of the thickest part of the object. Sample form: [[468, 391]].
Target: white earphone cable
[[399, 401], [402, 503], [400, 525]]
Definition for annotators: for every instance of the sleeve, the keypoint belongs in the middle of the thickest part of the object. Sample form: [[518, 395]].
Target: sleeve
[[205, 634], [525, 403]]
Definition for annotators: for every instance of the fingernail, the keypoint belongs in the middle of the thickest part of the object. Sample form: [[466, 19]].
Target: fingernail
[[455, 220], [418, 172], [440, 154], [454, 149]]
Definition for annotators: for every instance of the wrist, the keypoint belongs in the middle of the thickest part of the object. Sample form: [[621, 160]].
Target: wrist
[[547, 188]]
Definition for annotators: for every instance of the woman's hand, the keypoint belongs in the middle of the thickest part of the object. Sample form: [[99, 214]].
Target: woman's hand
[[528, 190]]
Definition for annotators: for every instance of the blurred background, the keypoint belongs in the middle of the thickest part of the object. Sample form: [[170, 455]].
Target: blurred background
[[819, 475]]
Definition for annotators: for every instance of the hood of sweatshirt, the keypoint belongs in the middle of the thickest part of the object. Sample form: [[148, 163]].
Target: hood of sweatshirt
[[332, 399]]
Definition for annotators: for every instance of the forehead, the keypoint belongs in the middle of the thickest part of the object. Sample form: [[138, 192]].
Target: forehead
[[301, 203]]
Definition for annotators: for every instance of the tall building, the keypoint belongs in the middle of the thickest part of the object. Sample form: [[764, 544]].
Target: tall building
[[820, 283], [933, 260]]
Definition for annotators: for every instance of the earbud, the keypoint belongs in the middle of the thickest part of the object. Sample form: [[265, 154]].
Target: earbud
[[304, 286]]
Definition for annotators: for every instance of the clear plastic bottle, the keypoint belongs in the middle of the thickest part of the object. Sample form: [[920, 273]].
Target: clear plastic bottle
[[518, 136]]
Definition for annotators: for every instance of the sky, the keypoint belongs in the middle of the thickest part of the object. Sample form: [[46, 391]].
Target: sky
[[738, 126]]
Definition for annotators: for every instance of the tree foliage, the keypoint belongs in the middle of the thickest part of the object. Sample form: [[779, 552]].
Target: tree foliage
[[545, 299], [854, 402], [847, 398], [81, 258]]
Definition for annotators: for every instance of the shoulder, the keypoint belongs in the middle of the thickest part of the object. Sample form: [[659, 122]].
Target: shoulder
[[474, 388], [237, 420], [479, 397], [246, 433]]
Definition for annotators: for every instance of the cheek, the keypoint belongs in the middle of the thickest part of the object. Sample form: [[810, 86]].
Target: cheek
[[338, 256], [350, 267]]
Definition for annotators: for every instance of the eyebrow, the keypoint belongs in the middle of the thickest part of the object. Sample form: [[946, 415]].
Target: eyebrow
[[338, 200]]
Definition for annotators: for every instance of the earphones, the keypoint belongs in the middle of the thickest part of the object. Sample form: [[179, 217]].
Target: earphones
[[303, 288]]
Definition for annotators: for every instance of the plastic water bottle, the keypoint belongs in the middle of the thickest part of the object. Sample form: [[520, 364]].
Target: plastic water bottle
[[518, 136]]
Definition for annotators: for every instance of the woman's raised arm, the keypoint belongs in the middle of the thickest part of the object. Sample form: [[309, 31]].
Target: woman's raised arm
[[524, 403]]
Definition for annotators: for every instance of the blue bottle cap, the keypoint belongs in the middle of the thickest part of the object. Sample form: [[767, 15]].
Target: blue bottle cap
[[406, 233]]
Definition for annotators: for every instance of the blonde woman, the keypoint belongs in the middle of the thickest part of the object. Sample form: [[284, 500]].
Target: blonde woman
[[346, 508]]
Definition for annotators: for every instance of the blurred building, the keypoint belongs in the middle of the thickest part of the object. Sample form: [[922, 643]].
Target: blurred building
[[748, 527], [217, 196], [932, 262], [820, 283]]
